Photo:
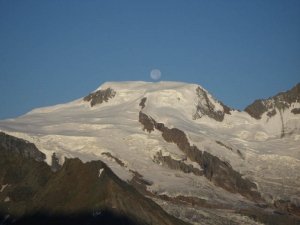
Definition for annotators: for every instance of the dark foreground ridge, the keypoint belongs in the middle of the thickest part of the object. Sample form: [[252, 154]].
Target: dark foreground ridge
[[26, 149], [79, 193]]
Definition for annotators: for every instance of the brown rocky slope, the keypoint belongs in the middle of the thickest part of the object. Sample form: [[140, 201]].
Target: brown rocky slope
[[79, 193]]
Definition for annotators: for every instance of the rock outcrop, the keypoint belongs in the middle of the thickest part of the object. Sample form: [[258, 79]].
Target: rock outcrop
[[176, 164], [108, 154], [296, 110], [215, 170], [280, 101], [142, 103], [147, 122], [100, 96], [207, 106], [287, 206]]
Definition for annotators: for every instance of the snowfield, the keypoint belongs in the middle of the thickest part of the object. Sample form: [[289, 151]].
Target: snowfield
[[253, 147]]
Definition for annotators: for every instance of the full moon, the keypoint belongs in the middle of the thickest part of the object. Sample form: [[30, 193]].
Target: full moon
[[155, 74]]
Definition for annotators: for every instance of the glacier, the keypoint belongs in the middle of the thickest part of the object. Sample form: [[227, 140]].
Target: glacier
[[111, 130]]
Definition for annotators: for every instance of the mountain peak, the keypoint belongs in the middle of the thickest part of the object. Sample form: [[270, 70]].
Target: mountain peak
[[208, 105], [179, 138]]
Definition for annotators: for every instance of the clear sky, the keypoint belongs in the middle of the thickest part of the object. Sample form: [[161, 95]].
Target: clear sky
[[53, 52]]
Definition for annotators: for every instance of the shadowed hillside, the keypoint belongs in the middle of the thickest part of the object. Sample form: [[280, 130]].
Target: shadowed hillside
[[79, 193]]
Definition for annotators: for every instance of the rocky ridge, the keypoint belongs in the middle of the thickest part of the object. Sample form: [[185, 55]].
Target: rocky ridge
[[281, 101], [215, 170], [207, 106], [79, 193], [26, 149]]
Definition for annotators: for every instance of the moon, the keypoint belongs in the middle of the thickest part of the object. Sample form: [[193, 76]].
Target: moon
[[155, 74]]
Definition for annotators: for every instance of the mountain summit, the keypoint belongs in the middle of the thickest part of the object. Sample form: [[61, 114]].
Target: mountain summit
[[175, 141]]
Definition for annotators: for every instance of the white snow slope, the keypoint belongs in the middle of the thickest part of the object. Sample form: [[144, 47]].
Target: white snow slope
[[257, 151]]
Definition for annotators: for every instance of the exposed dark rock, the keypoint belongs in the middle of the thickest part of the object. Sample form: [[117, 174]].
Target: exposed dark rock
[[296, 110], [256, 109], [159, 126], [240, 154], [140, 178], [257, 215], [206, 107], [114, 158], [100, 96], [194, 201], [278, 218], [139, 184], [280, 101], [271, 113], [288, 207], [279, 212], [18, 145], [147, 182], [136, 182], [226, 108], [147, 121], [254, 214], [55, 166], [263, 206], [142, 103], [215, 170], [176, 164], [79, 193], [220, 143]]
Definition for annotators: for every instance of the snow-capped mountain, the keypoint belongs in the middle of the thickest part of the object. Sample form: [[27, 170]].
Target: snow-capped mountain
[[180, 140]]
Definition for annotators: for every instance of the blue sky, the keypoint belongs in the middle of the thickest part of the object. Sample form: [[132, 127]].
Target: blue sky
[[53, 52]]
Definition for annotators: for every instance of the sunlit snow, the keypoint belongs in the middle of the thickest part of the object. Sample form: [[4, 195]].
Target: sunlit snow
[[100, 171], [257, 150], [3, 186]]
